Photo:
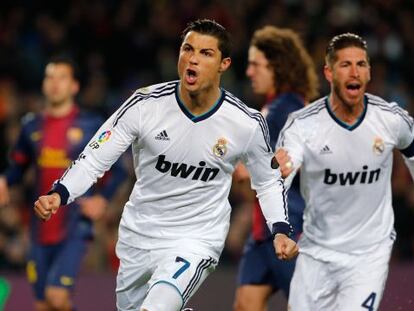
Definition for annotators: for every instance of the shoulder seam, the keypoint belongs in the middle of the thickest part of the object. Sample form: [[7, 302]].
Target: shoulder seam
[[162, 91], [231, 99], [393, 108], [312, 109]]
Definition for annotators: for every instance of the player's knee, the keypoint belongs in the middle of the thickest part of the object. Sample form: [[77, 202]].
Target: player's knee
[[58, 298], [58, 304], [171, 299], [41, 306], [251, 298], [241, 302]]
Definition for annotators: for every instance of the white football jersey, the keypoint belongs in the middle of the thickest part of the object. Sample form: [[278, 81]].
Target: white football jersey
[[346, 172], [183, 164]]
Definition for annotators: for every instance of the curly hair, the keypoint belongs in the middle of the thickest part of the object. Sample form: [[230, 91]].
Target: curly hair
[[293, 68]]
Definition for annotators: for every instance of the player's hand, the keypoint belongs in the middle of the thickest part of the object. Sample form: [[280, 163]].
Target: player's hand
[[47, 205], [4, 192], [241, 173], [285, 162], [93, 207], [285, 248]]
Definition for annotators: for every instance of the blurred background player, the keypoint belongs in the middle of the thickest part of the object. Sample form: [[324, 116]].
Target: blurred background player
[[282, 71], [343, 144], [49, 142]]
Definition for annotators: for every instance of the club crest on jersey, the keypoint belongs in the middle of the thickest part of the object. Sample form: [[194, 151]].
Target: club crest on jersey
[[36, 136], [378, 146], [220, 149], [102, 138]]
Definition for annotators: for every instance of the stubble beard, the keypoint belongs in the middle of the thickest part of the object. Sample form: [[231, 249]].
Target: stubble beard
[[345, 103]]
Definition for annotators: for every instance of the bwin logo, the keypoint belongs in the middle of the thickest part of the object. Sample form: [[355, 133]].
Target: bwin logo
[[184, 170], [350, 178]]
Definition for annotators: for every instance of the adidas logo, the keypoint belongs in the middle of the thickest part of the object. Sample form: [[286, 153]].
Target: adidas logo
[[325, 150], [162, 136]]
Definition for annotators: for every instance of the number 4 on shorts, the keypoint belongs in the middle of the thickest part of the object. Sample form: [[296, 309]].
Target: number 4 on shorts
[[370, 302], [183, 268]]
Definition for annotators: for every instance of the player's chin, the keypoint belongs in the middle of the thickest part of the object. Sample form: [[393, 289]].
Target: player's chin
[[193, 90]]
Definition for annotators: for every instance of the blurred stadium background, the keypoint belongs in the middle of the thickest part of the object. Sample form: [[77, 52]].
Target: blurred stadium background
[[125, 44]]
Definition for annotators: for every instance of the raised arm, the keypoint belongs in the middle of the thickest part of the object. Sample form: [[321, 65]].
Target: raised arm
[[106, 146]]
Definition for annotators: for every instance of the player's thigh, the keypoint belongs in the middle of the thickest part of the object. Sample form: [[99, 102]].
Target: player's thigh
[[364, 285], [252, 297], [281, 271], [184, 271], [253, 267], [66, 263], [312, 287], [133, 274], [365, 297], [37, 267]]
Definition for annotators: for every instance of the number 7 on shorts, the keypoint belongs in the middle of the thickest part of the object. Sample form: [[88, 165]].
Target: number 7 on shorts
[[183, 268]]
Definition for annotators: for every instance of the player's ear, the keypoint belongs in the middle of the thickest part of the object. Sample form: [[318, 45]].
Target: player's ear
[[327, 70], [225, 64], [75, 88], [369, 73]]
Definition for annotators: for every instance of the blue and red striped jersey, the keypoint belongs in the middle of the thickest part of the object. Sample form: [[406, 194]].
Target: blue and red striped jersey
[[50, 144]]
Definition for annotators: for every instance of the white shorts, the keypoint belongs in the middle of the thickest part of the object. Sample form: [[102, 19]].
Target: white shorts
[[355, 283], [141, 269]]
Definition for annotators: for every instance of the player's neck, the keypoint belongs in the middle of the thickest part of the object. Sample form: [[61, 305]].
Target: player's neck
[[59, 110], [271, 95], [200, 102], [346, 112]]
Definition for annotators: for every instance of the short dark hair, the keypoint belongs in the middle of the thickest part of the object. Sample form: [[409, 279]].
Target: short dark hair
[[67, 60], [293, 68], [214, 29], [343, 41]]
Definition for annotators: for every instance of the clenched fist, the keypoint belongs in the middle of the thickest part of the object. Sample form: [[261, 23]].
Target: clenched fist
[[285, 248], [285, 162], [47, 205]]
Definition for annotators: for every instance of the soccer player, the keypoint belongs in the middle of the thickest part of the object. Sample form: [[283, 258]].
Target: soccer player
[[187, 137], [279, 68], [48, 142], [343, 144]]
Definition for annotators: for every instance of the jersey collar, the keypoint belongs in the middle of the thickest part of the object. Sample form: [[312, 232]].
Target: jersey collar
[[203, 116], [343, 124]]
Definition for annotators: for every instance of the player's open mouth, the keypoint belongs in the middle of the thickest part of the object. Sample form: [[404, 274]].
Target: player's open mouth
[[353, 88], [190, 76]]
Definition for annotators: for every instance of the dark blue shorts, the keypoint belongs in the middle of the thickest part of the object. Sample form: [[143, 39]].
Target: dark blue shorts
[[260, 266], [54, 265]]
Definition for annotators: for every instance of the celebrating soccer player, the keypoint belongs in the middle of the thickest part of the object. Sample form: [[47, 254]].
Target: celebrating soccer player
[[187, 137], [343, 144]]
